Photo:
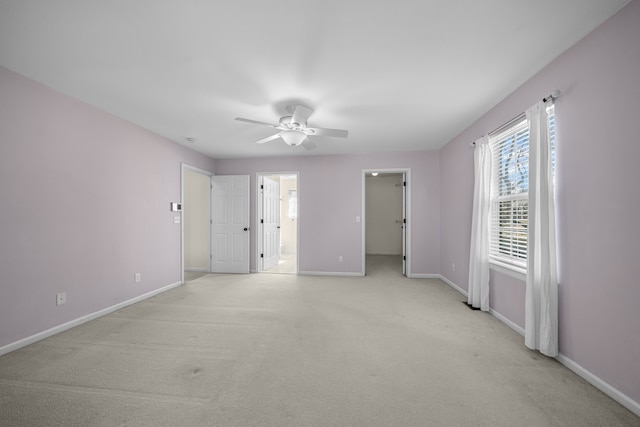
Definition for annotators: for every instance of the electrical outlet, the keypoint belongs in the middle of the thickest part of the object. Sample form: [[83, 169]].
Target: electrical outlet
[[61, 298], [340, 258], [453, 266], [137, 278]]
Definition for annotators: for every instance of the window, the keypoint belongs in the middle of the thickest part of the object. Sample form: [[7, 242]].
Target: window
[[509, 193]]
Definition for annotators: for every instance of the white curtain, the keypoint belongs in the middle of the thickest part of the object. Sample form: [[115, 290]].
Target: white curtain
[[541, 301], [479, 253]]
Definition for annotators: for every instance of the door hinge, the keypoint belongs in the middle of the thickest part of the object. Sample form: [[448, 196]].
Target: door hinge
[[404, 183], [261, 187], [262, 221], [261, 255], [404, 258], [404, 220]]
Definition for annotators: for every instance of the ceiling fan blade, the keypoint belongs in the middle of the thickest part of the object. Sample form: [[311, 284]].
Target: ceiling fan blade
[[328, 132], [255, 122], [267, 139], [301, 114], [308, 144]]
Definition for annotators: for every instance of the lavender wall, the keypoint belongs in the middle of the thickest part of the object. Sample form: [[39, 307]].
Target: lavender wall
[[85, 205], [598, 200], [330, 181]]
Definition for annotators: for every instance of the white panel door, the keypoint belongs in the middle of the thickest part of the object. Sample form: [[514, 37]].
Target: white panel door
[[230, 224], [271, 223]]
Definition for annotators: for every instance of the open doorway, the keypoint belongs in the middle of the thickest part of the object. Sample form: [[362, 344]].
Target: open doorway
[[385, 224], [196, 215], [277, 236]]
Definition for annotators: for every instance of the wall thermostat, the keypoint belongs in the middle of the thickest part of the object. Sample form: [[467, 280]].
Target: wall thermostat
[[176, 207]]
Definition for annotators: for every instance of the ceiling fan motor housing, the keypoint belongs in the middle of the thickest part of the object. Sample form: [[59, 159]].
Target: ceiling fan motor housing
[[287, 122]]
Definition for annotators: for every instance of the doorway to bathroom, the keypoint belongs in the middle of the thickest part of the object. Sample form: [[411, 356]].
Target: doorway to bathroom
[[277, 236]]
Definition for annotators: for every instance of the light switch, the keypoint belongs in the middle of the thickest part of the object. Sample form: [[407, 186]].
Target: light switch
[[357, 219]]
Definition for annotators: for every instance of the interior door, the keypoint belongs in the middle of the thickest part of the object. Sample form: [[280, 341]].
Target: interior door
[[270, 223], [230, 224], [404, 224]]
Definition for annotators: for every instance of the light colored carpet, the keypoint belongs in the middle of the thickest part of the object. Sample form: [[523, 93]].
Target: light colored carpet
[[193, 275], [287, 264], [287, 350]]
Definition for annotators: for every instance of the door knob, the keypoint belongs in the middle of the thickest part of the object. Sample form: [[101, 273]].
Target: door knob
[[245, 229]]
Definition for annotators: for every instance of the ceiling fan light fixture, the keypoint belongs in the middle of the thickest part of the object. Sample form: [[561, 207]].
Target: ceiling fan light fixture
[[293, 137]]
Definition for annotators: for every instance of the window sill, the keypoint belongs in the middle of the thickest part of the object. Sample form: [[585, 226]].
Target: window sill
[[509, 270]]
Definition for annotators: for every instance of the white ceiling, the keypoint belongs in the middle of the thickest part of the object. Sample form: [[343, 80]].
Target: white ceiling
[[398, 74]]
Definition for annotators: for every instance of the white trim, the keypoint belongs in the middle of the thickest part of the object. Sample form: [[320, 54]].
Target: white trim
[[83, 319], [197, 270], [453, 285], [598, 383], [198, 170], [330, 273], [424, 276], [493, 312], [601, 385], [509, 270], [507, 321]]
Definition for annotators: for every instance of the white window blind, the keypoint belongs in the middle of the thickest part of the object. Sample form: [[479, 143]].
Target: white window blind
[[509, 194]]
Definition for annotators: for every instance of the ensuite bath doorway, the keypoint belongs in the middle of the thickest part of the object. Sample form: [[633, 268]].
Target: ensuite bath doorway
[[278, 223]]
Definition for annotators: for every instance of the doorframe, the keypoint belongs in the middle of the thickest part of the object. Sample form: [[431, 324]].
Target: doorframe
[[183, 167], [258, 226], [407, 225]]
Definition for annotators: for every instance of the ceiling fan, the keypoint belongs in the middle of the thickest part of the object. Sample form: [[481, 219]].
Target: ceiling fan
[[293, 128]]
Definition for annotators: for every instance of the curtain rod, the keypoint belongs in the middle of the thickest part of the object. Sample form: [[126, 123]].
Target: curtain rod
[[553, 95]]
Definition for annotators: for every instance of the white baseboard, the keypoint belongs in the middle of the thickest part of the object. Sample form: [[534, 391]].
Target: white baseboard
[[80, 320], [423, 276], [453, 285], [598, 383], [601, 385], [329, 273], [507, 322], [197, 270]]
